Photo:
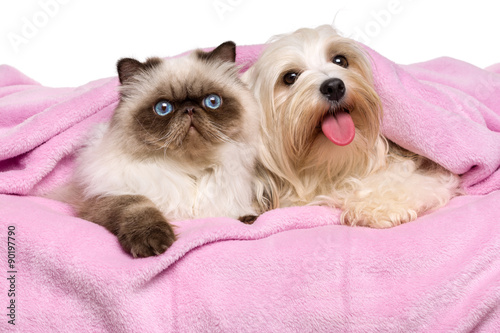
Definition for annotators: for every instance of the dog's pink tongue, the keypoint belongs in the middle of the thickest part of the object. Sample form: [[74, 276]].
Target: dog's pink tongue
[[339, 129]]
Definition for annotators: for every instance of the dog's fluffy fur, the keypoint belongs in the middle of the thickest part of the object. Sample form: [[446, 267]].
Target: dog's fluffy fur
[[375, 182]]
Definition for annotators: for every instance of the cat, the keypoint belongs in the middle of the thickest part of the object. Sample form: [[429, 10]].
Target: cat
[[180, 145]]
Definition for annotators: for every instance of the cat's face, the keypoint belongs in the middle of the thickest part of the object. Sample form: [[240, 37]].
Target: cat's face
[[186, 105]]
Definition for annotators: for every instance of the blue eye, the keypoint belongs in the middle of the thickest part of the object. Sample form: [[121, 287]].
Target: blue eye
[[212, 101], [162, 108]]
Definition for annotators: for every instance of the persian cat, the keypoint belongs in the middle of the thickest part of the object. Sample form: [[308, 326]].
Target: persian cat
[[180, 145]]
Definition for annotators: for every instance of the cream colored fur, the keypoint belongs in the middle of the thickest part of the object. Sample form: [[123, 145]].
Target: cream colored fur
[[374, 185]]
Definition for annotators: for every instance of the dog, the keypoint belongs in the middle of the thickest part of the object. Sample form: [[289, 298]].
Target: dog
[[320, 140]]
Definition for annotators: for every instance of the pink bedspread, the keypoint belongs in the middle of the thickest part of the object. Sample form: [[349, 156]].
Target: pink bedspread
[[295, 269]]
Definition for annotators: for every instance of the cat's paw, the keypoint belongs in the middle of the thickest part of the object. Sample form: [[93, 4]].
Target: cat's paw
[[145, 235], [248, 219]]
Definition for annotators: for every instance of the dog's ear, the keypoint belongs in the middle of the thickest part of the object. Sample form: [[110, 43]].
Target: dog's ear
[[225, 52], [128, 67]]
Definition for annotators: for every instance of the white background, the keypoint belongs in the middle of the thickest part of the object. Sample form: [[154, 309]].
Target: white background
[[71, 42]]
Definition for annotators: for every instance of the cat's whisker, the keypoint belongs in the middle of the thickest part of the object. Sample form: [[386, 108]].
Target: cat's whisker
[[145, 130], [221, 136], [165, 138], [167, 141], [214, 131]]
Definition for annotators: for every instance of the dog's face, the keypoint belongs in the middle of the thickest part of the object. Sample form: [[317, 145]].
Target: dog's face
[[317, 94]]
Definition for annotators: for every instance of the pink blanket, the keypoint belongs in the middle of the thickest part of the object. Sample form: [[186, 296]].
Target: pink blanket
[[295, 269]]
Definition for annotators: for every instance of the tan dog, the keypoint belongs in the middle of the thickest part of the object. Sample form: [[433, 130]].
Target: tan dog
[[321, 140]]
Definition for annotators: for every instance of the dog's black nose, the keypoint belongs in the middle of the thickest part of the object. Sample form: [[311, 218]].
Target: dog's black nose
[[333, 89]]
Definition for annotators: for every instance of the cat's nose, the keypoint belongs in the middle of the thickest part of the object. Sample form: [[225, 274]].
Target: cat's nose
[[189, 111]]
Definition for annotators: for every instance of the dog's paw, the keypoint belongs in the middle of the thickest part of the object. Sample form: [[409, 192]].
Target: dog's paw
[[377, 217], [146, 235]]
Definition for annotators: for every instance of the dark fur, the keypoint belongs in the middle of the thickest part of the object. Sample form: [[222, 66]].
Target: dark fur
[[139, 225], [150, 128], [225, 52]]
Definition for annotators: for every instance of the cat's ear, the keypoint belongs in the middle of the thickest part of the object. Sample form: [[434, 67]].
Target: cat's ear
[[129, 67], [224, 52]]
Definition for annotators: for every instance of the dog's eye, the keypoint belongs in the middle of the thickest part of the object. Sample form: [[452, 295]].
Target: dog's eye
[[290, 78], [341, 61]]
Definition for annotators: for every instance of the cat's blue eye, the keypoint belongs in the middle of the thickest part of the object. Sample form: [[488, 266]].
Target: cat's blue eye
[[162, 108], [212, 101]]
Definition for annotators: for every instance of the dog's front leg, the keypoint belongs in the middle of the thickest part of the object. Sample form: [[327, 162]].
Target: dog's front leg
[[397, 194]]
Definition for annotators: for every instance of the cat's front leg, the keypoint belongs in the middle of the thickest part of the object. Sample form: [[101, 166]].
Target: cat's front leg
[[141, 228]]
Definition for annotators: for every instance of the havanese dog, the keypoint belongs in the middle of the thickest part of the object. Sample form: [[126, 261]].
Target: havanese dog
[[320, 135]]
